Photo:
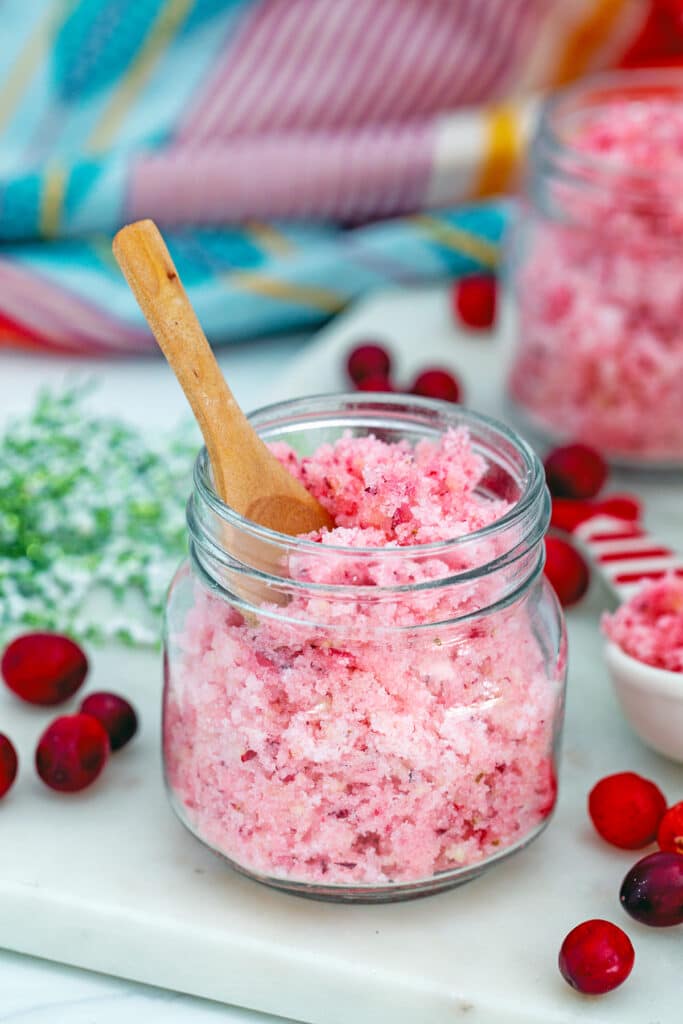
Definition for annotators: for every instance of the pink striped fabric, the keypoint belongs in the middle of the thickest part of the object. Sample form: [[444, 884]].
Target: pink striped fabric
[[65, 322], [347, 176], [337, 64]]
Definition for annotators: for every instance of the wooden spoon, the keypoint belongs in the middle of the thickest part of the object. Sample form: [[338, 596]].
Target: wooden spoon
[[246, 475]]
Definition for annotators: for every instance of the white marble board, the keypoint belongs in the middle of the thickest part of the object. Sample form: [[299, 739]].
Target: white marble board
[[108, 880]]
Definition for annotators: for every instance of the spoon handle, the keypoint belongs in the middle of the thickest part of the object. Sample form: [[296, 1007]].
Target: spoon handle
[[625, 555]]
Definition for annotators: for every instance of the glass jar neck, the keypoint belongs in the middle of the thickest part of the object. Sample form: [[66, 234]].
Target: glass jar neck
[[570, 178], [300, 579]]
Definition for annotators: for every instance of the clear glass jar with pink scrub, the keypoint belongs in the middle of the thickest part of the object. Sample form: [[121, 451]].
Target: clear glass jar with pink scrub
[[363, 721], [596, 261]]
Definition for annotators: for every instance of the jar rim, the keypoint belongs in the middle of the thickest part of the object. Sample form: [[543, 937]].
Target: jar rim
[[378, 402], [551, 144]]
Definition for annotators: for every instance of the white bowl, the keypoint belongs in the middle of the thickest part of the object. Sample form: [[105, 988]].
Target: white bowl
[[651, 699]]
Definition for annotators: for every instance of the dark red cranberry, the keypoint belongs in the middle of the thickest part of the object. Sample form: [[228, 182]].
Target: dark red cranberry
[[566, 570], [72, 752], [474, 300], [436, 383], [44, 668], [9, 764], [374, 384], [652, 891], [596, 957], [368, 360], [575, 471], [115, 714]]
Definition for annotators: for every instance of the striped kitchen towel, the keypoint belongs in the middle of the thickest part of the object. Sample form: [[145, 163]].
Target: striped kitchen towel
[[272, 140]]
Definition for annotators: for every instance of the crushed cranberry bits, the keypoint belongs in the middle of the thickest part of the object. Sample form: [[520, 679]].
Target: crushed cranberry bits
[[575, 471], [72, 752], [115, 714], [626, 810], [9, 764], [474, 300], [566, 571], [596, 957], [44, 668], [670, 831]]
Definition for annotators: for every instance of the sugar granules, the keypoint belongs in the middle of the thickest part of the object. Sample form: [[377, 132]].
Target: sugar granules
[[353, 752], [601, 289], [649, 626]]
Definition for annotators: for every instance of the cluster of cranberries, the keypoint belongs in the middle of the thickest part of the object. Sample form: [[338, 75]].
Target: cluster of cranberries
[[369, 365], [47, 669], [629, 812], [575, 475]]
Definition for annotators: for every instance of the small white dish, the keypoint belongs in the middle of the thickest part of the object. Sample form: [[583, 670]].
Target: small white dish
[[651, 699], [627, 556]]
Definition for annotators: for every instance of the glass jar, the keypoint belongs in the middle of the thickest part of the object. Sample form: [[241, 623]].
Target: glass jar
[[596, 263], [366, 736]]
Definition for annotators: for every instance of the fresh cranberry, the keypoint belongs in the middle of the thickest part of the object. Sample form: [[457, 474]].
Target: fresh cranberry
[[474, 300], [566, 571], [626, 810], [596, 957], [374, 384], [44, 668], [670, 832], [9, 763], [652, 891], [567, 513], [575, 471], [437, 383], [115, 714], [368, 360], [72, 752]]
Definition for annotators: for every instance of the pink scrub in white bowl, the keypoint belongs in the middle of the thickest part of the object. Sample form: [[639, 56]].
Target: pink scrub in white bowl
[[381, 720], [597, 266]]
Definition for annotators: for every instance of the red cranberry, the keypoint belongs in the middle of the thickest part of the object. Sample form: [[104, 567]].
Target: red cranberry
[[72, 752], [374, 384], [437, 383], [44, 668], [568, 513], [670, 832], [626, 810], [368, 360], [652, 891], [474, 300], [575, 471], [566, 570], [9, 764], [115, 714], [596, 957]]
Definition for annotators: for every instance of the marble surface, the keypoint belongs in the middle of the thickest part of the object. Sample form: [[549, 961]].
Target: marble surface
[[112, 880]]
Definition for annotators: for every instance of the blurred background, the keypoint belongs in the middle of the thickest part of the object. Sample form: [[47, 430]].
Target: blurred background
[[297, 153]]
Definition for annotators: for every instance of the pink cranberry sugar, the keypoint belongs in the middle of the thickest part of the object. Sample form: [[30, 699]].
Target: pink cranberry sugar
[[649, 626], [332, 743], [600, 356]]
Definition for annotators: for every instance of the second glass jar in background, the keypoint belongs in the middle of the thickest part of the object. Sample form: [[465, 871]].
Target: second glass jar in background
[[386, 723], [596, 261]]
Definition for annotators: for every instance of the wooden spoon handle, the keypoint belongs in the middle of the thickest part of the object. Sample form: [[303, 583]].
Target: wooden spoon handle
[[151, 274]]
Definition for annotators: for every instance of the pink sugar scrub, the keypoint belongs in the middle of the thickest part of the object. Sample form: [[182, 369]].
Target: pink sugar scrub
[[601, 289], [649, 626], [324, 744]]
